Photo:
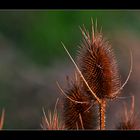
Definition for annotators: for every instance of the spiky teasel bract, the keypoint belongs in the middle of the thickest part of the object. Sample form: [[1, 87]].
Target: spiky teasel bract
[[129, 120], [52, 122], [2, 119], [79, 110]]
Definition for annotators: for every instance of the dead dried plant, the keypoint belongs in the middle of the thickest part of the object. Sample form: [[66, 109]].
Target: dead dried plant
[[2, 119], [52, 122], [129, 119], [97, 72], [79, 111]]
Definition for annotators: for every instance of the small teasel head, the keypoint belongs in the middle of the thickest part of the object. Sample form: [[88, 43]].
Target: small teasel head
[[52, 121], [2, 119], [129, 120], [79, 111]]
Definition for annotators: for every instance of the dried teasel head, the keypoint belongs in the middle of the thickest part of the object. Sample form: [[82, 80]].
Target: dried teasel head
[[97, 70], [97, 73], [79, 112], [52, 122], [97, 63], [129, 120], [2, 119]]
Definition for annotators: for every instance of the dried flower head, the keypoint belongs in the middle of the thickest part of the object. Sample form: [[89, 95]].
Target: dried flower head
[[129, 120], [81, 114], [98, 76], [52, 122], [2, 119], [98, 65]]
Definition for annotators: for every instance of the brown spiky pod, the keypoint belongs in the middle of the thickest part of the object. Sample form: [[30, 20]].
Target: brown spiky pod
[[52, 121], [130, 124], [98, 65], [2, 119], [129, 120], [80, 115]]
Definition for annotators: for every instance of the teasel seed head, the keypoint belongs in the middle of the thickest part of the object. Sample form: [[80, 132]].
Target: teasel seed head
[[80, 115], [129, 120], [98, 64], [2, 119], [52, 121]]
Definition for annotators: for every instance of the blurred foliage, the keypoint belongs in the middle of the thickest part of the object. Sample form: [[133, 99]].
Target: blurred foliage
[[39, 33]]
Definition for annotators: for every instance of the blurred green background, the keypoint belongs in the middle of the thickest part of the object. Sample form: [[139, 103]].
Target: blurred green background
[[32, 58]]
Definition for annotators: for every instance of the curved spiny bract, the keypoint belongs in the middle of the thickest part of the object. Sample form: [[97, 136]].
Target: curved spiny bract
[[98, 65], [77, 115]]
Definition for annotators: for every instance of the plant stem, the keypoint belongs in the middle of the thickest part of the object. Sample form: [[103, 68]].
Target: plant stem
[[102, 110]]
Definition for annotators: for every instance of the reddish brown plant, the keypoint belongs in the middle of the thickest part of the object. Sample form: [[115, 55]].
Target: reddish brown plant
[[129, 120], [2, 119], [98, 76], [52, 122], [81, 114], [97, 62], [98, 65]]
